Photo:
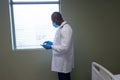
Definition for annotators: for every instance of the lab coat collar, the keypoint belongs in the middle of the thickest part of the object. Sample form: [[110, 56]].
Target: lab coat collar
[[63, 23]]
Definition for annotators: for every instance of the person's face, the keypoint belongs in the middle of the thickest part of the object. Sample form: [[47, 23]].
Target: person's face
[[54, 20]]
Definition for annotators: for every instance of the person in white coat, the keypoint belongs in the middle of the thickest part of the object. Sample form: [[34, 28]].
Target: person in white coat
[[62, 48]]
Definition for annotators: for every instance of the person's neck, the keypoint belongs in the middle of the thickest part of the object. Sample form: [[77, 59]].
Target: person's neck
[[61, 22]]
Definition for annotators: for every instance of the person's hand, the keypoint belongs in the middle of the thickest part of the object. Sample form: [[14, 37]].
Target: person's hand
[[47, 44]]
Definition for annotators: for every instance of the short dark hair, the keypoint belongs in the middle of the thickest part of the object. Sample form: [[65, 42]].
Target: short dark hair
[[56, 16]]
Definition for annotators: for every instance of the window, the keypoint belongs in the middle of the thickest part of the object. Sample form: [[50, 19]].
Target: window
[[31, 22]]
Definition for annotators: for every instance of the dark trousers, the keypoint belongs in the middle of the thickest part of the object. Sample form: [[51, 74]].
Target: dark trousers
[[64, 76]]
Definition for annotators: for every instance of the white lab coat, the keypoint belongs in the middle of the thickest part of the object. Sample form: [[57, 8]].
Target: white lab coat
[[63, 53]]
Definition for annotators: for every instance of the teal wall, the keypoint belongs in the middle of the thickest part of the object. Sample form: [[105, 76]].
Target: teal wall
[[96, 26]]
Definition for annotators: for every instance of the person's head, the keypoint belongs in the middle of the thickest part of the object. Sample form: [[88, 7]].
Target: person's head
[[56, 18]]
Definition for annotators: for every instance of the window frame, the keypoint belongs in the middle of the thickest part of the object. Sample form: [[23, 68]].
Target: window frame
[[12, 21]]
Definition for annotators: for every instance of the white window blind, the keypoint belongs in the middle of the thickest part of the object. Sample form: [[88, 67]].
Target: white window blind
[[31, 22]]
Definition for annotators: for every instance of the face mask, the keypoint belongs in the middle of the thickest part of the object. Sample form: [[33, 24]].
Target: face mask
[[55, 25]]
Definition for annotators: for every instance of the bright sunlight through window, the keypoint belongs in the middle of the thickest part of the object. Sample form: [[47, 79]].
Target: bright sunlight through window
[[31, 22]]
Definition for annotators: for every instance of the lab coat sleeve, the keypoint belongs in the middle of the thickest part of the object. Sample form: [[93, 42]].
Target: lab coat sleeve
[[65, 41]]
